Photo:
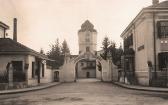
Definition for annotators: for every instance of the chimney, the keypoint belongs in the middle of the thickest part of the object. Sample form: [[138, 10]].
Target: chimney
[[155, 2], [15, 29]]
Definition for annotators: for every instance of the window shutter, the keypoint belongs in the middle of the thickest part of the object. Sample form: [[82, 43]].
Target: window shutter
[[158, 29]]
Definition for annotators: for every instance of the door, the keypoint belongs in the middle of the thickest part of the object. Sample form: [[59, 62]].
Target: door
[[88, 75], [38, 71], [56, 76]]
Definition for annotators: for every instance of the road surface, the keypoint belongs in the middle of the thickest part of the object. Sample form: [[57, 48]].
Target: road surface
[[85, 92]]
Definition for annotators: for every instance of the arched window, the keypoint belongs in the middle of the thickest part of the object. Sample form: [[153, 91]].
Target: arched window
[[87, 49]]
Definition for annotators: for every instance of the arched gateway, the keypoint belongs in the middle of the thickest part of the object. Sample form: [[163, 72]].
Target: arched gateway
[[87, 64]]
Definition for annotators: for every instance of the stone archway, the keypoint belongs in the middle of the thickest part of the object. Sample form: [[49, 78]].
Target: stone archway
[[68, 70]]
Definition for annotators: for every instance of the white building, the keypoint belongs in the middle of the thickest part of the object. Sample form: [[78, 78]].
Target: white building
[[146, 46], [29, 66]]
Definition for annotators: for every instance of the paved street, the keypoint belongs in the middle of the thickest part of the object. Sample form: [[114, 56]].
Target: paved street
[[85, 92]]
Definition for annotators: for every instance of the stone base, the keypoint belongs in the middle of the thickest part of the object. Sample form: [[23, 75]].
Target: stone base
[[142, 77]]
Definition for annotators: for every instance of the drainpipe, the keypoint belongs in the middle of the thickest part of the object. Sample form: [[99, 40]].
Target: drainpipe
[[154, 42]]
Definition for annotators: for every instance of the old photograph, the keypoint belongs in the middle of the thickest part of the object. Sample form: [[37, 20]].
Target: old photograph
[[83, 52]]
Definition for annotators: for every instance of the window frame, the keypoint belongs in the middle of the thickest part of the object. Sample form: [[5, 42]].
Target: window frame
[[164, 33]]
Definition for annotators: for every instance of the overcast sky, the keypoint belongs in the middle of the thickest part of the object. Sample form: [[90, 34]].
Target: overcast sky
[[40, 22]]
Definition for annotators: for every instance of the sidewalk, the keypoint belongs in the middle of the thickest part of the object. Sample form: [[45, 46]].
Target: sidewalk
[[142, 88], [13, 91]]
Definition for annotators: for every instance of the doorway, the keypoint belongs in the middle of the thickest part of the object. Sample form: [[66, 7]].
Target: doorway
[[56, 76], [88, 74]]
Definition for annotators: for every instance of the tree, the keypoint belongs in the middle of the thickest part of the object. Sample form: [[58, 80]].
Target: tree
[[55, 54], [65, 48], [105, 44], [113, 52], [110, 49], [116, 54]]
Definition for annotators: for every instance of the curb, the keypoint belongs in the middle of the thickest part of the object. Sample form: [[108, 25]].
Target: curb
[[141, 88], [28, 89]]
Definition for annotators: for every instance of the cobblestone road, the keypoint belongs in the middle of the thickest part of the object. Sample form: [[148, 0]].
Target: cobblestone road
[[86, 92]]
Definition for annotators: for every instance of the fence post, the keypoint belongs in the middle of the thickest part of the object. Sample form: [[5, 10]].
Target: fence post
[[10, 76]]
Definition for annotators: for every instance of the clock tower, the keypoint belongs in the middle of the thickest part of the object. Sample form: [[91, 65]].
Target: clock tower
[[87, 37]]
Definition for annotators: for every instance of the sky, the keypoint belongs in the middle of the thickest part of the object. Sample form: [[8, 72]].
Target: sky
[[41, 22]]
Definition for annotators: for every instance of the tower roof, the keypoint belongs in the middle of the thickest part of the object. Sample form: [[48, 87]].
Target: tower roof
[[87, 26]]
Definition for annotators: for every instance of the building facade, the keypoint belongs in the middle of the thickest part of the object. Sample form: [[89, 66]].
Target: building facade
[[146, 46], [28, 67]]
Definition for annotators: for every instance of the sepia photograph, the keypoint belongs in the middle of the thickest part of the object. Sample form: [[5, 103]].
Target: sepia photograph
[[83, 52]]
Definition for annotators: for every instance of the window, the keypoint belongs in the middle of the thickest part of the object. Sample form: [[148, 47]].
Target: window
[[42, 70], [82, 64], [87, 49], [93, 64], [162, 27], [128, 41], [17, 65], [33, 69], [18, 74], [163, 60], [87, 40]]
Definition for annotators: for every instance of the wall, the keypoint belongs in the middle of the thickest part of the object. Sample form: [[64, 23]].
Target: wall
[[144, 35], [4, 59], [106, 74], [31, 81], [67, 71], [161, 16], [141, 56], [48, 76], [48, 73]]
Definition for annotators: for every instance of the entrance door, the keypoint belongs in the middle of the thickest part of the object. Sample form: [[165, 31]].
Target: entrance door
[[88, 75], [56, 76]]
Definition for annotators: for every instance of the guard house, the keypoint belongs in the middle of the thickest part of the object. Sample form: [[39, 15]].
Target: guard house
[[146, 46], [29, 66]]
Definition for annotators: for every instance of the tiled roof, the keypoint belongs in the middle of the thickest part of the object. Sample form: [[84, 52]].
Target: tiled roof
[[9, 46], [163, 4]]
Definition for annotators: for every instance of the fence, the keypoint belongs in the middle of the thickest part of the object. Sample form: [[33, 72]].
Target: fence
[[3, 76], [19, 78], [159, 77]]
